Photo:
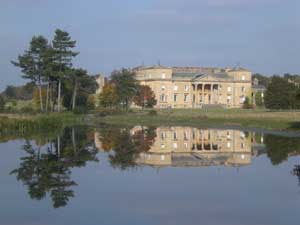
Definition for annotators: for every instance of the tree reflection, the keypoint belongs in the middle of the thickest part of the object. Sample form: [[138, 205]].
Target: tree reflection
[[126, 146], [48, 170], [279, 148], [296, 172]]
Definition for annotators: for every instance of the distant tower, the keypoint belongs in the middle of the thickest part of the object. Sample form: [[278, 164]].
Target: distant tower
[[101, 82]]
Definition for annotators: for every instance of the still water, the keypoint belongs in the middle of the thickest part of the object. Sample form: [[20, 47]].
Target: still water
[[149, 175]]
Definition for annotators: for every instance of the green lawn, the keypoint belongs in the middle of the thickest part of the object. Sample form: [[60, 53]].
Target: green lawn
[[258, 118]]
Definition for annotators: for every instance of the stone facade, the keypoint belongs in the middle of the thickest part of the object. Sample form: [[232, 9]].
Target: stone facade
[[186, 146], [195, 87]]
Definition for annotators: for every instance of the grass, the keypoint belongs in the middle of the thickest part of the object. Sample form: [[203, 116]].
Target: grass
[[258, 118], [24, 125]]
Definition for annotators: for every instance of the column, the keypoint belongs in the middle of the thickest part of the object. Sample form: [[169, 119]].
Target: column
[[211, 93], [203, 98]]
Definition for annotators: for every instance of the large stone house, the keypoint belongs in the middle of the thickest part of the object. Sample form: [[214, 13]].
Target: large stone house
[[196, 87]]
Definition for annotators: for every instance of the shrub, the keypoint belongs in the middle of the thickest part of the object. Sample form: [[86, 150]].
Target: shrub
[[152, 113], [247, 104], [106, 112], [80, 110], [2, 103]]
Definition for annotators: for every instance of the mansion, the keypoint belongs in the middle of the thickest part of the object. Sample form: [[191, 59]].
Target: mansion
[[196, 87]]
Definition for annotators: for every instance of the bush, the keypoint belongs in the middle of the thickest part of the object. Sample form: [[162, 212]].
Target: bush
[[27, 109], [80, 110], [106, 112], [2, 103], [247, 104], [152, 113]]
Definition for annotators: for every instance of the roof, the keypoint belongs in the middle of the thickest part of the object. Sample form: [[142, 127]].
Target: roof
[[238, 69]]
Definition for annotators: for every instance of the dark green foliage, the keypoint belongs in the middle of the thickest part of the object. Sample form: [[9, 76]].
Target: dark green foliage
[[247, 103], [259, 99], [281, 94], [80, 110], [47, 170], [126, 86], [152, 113], [2, 103], [279, 148], [24, 92]]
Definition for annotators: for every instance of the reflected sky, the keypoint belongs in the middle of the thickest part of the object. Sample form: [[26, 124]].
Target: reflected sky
[[117, 183]]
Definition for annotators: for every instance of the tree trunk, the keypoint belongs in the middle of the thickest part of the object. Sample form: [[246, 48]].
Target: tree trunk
[[47, 96], [59, 96], [74, 96], [41, 97], [74, 141]]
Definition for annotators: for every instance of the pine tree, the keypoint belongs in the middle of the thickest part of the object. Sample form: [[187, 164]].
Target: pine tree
[[33, 62], [63, 55]]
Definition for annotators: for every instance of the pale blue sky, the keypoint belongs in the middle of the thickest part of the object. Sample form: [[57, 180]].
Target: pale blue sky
[[262, 35]]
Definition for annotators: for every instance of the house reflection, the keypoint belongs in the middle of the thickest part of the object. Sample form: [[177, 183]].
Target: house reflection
[[192, 147]]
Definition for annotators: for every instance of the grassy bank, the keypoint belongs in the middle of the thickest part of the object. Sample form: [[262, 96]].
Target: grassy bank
[[26, 125], [264, 119]]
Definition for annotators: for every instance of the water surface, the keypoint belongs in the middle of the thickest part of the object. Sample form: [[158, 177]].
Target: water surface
[[150, 175]]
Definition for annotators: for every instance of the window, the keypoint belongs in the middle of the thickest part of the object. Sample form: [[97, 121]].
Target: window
[[163, 87], [175, 136], [149, 76], [243, 77], [162, 135], [163, 76], [174, 145], [175, 98], [162, 157], [175, 88], [243, 89], [185, 135], [186, 98], [194, 98], [162, 145], [228, 97], [163, 98], [186, 88], [229, 89]]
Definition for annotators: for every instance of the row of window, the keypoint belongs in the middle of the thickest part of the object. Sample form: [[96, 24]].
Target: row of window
[[186, 88], [200, 147], [163, 76]]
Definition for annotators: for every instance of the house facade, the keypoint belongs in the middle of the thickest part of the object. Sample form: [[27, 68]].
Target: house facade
[[196, 87]]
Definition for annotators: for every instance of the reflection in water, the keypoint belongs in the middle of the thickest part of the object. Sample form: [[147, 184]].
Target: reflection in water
[[46, 167], [175, 146]]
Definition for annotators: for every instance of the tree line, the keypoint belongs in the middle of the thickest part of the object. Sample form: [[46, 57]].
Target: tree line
[[49, 65], [122, 89], [282, 92]]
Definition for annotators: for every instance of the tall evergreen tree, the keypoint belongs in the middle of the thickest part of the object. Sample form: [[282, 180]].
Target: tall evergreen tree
[[33, 62], [63, 55]]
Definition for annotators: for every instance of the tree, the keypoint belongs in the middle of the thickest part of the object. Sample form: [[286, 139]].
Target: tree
[[281, 94], [10, 92], [2, 103], [81, 82], [62, 55], [126, 86], [247, 103], [259, 99], [145, 97], [108, 97], [33, 62]]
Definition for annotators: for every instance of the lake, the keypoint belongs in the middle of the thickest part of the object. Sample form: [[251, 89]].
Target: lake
[[150, 175]]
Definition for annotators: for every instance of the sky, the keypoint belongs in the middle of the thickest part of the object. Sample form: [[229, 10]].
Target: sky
[[261, 35]]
